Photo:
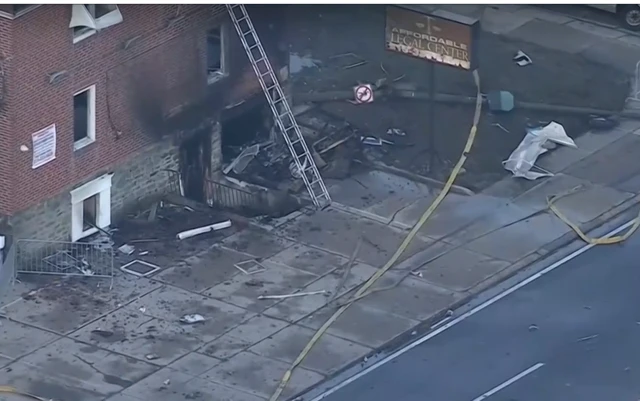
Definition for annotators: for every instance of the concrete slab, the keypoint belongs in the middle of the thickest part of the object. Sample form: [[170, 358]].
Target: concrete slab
[[631, 185], [613, 52], [553, 36], [501, 22], [461, 269], [454, 213], [361, 324], [338, 232], [613, 165], [470, 10], [633, 40], [260, 376], [368, 189], [501, 216], [509, 188], [194, 364], [294, 309], [595, 141], [560, 158], [581, 207], [122, 397], [129, 332], [204, 270], [242, 337], [4, 361], [308, 259], [170, 304], [69, 370], [17, 339], [65, 305], [593, 29], [225, 347], [169, 385], [513, 242], [328, 355], [257, 328], [412, 298], [544, 15], [243, 290], [256, 242]]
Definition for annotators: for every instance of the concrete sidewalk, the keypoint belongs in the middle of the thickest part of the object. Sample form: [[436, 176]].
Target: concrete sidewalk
[[78, 339], [73, 340]]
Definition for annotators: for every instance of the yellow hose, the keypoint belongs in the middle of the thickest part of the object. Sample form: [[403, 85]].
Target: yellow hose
[[595, 241], [12, 390], [425, 216]]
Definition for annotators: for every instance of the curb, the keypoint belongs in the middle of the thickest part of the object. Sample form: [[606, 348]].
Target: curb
[[507, 273]]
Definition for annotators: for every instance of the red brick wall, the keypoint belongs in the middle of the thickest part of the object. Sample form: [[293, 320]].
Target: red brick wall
[[6, 145], [164, 67]]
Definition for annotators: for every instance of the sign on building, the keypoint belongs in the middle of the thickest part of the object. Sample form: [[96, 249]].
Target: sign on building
[[43, 146], [449, 41]]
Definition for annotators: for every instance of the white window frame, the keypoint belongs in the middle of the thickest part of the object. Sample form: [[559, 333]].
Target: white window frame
[[100, 187], [83, 16], [211, 79], [91, 119]]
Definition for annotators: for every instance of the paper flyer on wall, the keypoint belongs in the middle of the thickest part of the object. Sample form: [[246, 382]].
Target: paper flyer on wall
[[44, 146]]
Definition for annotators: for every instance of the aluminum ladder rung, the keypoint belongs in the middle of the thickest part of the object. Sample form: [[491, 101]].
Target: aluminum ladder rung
[[277, 101]]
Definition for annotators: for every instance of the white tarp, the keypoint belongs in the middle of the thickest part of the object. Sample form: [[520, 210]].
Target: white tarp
[[523, 159]]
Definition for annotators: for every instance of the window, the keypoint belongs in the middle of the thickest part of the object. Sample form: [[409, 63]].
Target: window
[[91, 207], [87, 19], [215, 55], [84, 118]]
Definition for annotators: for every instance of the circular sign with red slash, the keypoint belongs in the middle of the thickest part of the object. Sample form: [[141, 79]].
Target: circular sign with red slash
[[363, 93]]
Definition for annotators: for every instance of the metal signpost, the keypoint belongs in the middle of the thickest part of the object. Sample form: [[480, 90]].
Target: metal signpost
[[440, 38]]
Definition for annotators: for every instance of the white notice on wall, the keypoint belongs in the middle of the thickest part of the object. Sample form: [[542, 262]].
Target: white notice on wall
[[44, 146]]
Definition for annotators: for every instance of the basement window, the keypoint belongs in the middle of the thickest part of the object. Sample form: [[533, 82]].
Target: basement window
[[84, 118], [215, 55], [87, 19]]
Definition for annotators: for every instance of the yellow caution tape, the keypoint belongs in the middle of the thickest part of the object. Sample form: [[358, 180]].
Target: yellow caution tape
[[595, 241], [425, 216]]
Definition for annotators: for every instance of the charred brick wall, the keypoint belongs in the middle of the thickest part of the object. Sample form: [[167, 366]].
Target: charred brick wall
[[148, 67], [6, 144]]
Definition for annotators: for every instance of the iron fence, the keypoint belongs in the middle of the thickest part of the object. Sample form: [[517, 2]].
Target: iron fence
[[220, 195], [175, 182], [227, 197], [94, 258]]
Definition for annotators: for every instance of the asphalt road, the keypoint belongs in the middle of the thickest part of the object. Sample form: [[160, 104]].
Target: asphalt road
[[573, 334]]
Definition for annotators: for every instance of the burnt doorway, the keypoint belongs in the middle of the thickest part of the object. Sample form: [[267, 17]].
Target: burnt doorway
[[243, 126], [195, 164]]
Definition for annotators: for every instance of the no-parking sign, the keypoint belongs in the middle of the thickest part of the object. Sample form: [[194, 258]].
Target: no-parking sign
[[363, 93]]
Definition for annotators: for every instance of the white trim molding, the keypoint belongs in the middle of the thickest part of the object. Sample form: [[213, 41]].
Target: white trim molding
[[102, 188]]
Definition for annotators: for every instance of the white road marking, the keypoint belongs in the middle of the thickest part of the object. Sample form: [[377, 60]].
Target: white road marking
[[509, 382], [466, 315]]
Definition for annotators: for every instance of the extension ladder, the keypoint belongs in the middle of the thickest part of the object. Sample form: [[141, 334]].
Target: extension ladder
[[280, 108]]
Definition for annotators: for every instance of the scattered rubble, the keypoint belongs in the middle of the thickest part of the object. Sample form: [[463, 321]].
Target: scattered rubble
[[192, 319], [204, 229], [251, 266], [522, 59]]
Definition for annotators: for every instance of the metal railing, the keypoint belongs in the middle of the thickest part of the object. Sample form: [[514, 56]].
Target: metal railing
[[175, 182], [227, 197], [94, 259]]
